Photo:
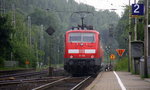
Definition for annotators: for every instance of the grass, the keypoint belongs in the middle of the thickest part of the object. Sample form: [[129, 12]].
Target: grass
[[11, 68], [57, 65], [40, 68]]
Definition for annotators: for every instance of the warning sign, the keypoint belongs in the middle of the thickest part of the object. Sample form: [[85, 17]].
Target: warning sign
[[112, 57], [120, 51], [27, 62]]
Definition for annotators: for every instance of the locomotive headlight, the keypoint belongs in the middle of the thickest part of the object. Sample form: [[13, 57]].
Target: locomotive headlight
[[92, 56], [71, 56]]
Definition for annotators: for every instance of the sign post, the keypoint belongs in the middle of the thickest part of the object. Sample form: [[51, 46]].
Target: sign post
[[50, 30], [137, 9]]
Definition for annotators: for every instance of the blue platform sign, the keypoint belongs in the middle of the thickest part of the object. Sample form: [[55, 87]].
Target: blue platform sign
[[137, 9]]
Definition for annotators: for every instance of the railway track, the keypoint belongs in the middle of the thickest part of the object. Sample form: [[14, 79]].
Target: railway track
[[6, 72], [45, 83], [69, 83], [45, 79], [22, 75], [26, 84]]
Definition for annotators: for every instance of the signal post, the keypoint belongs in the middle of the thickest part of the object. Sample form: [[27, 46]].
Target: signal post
[[146, 40]]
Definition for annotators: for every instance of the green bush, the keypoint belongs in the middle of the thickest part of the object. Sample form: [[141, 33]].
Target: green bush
[[1, 62], [122, 64]]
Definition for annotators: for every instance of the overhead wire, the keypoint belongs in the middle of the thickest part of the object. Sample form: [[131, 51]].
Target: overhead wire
[[79, 1]]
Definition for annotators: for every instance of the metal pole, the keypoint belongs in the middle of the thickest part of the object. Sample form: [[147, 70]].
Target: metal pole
[[135, 29], [37, 63], [58, 52], [29, 27], [1, 7], [14, 16], [129, 52], [4, 6], [30, 30], [14, 25], [129, 61], [135, 26], [107, 56], [82, 18], [41, 41], [146, 40]]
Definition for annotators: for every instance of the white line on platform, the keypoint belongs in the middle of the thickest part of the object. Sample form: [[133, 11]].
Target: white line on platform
[[119, 81]]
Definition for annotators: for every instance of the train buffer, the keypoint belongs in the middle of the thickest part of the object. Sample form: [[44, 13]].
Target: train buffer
[[114, 80]]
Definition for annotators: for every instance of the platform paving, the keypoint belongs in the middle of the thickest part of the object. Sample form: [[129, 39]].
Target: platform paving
[[108, 81]]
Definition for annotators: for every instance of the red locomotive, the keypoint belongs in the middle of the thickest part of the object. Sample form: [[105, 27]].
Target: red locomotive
[[83, 51]]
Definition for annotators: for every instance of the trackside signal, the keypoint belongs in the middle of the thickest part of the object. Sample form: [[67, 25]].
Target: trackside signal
[[27, 62], [112, 57]]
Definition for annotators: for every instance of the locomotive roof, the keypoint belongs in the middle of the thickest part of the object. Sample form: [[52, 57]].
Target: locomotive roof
[[82, 31]]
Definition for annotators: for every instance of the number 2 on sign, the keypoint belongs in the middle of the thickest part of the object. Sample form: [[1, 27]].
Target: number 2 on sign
[[136, 8]]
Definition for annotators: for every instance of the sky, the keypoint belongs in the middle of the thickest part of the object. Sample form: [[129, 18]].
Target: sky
[[108, 4]]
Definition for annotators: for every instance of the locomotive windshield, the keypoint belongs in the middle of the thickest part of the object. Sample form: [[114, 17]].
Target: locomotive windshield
[[81, 37]]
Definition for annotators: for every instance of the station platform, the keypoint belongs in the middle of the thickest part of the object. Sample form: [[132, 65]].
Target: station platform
[[113, 80]]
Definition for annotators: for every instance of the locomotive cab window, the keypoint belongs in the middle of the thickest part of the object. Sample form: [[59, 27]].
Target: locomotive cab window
[[81, 37], [75, 37], [88, 37]]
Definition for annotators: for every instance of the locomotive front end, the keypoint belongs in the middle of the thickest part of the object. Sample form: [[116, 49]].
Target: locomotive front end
[[82, 54]]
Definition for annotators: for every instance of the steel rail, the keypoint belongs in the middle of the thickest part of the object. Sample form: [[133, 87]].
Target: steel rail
[[23, 74], [79, 84], [20, 81], [7, 82], [47, 85]]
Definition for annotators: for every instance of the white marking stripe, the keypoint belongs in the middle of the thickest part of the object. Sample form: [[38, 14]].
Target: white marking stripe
[[73, 51], [81, 51], [89, 50], [119, 81]]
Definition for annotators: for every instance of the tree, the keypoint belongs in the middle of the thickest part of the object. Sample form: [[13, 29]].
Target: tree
[[5, 38]]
